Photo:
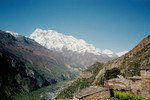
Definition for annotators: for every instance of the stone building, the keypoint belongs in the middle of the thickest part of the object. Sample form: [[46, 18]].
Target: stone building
[[131, 84], [116, 83], [119, 83], [134, 85], [93, 93], [145, 82], [137, 85]]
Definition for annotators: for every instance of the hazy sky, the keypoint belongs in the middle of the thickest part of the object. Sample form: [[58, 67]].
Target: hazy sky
[[117, 25]]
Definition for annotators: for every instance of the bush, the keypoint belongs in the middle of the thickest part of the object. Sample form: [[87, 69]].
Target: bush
[[125, 96], [112, 73]]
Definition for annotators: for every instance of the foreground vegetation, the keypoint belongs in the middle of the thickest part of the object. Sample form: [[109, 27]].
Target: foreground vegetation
[[125, 96]]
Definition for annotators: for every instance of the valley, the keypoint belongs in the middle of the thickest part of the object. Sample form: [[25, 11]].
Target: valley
[[27, 66], [39, 71], [34, 66], [74, 49], [45, 93]]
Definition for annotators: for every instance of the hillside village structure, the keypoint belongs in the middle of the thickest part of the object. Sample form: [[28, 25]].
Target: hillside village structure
[[137, 85], [93, 93], [134, 85], [145, 82]]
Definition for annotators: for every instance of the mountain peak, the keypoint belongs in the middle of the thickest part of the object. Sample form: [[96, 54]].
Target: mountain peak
[[54, 40], [39, 30], [57, 41]]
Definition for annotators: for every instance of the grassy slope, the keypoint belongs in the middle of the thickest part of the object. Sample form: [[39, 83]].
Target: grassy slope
[[53, 72], [80, 83]]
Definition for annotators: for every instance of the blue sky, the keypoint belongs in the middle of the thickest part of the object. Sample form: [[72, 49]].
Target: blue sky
[[117, 25]]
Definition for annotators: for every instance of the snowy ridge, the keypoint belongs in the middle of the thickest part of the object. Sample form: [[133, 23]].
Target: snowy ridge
[[122, 53], [57, 41], [12, 33], [53, 40], [109, 53]]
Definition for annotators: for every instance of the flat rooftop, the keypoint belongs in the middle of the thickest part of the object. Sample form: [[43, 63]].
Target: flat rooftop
[[144, 68], [90, 91], [134, 78]]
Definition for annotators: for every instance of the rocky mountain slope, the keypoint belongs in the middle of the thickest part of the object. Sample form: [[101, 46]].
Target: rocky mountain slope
[[77, 50], [128, 65], [130, 62], [85, 80], [27, 66]]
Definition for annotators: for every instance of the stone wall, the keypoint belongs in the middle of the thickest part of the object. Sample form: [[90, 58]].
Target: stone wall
[[145, 84], [98, 96], [145, 73], [135, 85]]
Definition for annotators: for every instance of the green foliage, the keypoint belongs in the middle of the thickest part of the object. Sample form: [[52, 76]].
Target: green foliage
[[125, 96], [112, 73], [53, 72], [109, 74], [100, 80], [29, 83], [95, 68], [6, 92], [135, 70]]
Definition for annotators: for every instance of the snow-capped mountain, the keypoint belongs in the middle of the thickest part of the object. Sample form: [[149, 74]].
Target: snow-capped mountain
[[67, 51], [122, 53], [77, 55], [109, 53], [57, 41]]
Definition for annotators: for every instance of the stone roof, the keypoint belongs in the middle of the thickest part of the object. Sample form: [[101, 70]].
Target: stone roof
[[90, 91], [117, 83], [144, 68], [134, 78]]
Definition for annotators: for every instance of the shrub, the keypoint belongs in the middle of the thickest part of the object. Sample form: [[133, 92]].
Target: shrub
[[112, 73], [126, 96]]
